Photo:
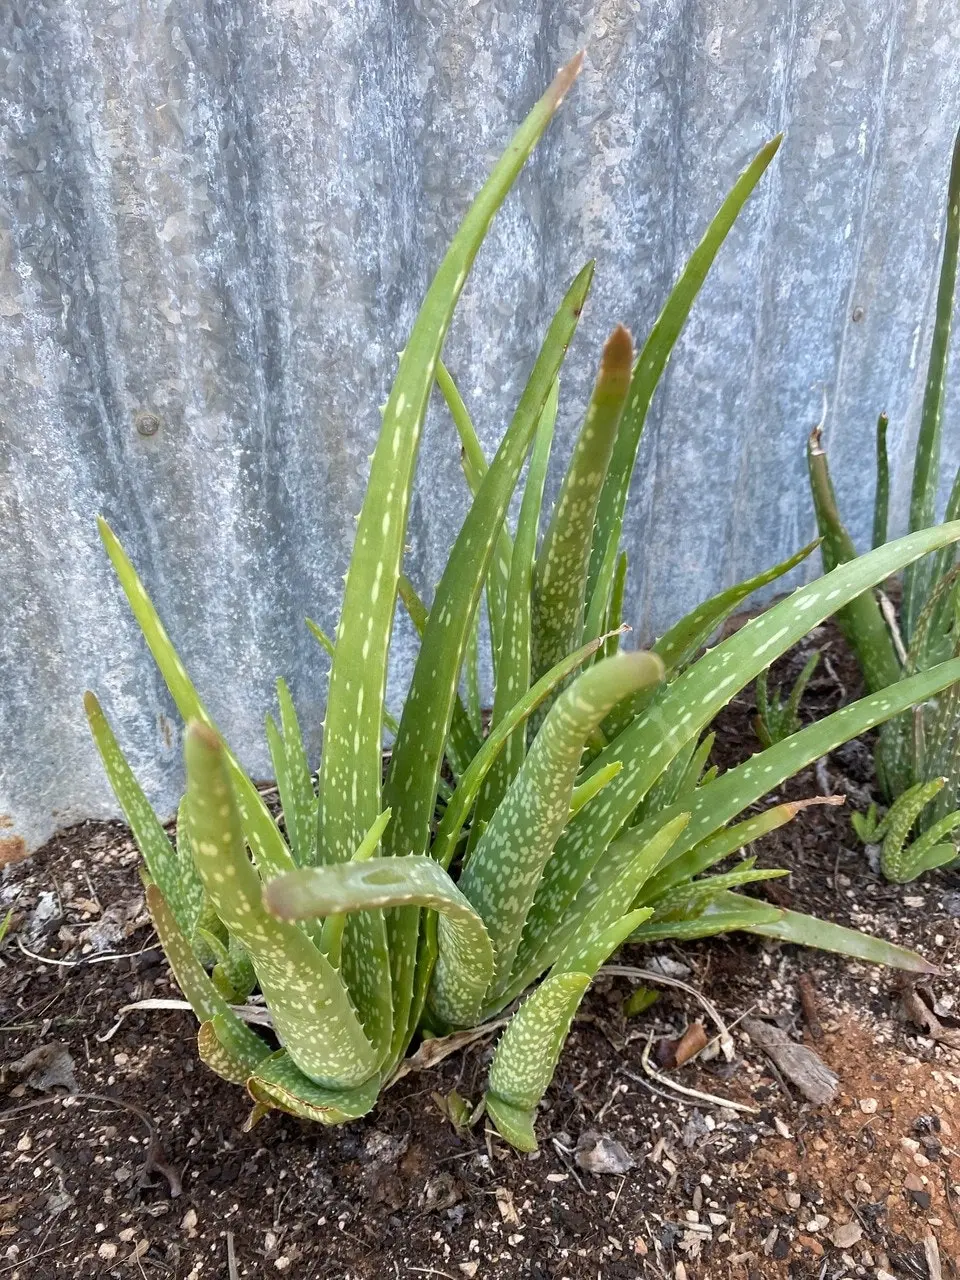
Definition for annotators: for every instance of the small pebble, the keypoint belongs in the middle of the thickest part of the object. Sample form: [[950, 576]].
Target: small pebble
[[107, 1251], [868, 1106]]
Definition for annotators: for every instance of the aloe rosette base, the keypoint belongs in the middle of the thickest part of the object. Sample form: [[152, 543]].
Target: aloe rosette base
[[484, 874]]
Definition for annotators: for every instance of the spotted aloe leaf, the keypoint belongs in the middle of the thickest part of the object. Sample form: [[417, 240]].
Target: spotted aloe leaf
[[350, 773], [464, 966], [585, 791], [306, 996], [241, 1044], [504, 870], [219, 1050], [180, 889], [463, 743], [475, 467], [527, 1055], [722, 912], [681, 643], [901, 860], [919, 578], [512, 671], [616, 885], [560, 579], [278, 1082], [261, 832], [808, 931], [411, 784], [647, 371], [724, 842], [292, 771], [685, 707]]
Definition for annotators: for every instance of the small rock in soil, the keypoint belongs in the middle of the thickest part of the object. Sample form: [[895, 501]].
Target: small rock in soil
[[596, 1153]]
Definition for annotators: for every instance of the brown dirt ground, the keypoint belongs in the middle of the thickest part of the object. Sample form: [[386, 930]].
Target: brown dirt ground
[[87, 1185]]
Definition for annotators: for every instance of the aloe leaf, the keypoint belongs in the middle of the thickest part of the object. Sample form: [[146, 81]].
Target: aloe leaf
[[722, 800], [194, 981], [861, 621], [279, 1083], [560, 576], [687, 705], [297, 795], [465, 963], [458, 809], [183, 894], [597, 940], [261, 832], [527, 1055], [220, 1051], [475, 468], [881, 501], [513, 659], [617, 880], [472, 667], [808, 931], [502, 875], [463, 744], [918, 579], [690, 899], [615, 611], [192, 891], [307, 998], [351, 765], [722, 913], [585, 792], [680, 644], [411, 785], [650, 365], [722, 843]]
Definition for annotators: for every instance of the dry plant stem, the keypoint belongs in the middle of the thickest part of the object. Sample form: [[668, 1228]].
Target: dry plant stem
[[890, 618], [232, 1271], [651, 975], [101, 959], [687, 1092], [257, 1015]]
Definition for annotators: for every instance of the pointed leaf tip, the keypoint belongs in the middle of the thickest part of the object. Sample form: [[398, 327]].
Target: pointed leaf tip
[[617, 355], [203, 736], [565, 77]]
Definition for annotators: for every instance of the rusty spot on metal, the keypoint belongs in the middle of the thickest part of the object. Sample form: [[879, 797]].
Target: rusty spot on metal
[[12, 849]]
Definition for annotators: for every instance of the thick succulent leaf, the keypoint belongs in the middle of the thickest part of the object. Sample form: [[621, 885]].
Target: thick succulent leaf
[[465, 963], [411, 785], [307, 998], [650, 365], [220, 1051], [194, 981], [720, 914], [560, 578], [861, 621], [261, 831], [475, 467], [472, 677], [458, 809], [151, 839], [585, 791], [918, 578], [691, 898], [234, 974], [279, 1083], [410, 788], [808, 931], [724, 842], [199, 911], [502, 875], [614, 888], [351, 771], [294, 782], [685, 707], [615, 609], [463, 743], [881, 501], [596, 942], [681, 643], [512, 672], [727, 796], [527, 1054]]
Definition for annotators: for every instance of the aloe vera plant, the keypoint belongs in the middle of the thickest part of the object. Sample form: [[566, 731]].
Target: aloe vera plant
[[480, 872], [918, 755]]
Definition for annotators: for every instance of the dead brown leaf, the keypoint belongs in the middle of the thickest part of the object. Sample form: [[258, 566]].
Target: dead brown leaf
[[915, 1010]]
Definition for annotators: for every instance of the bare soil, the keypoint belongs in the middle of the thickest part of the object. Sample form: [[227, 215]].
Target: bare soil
[[146, 1170]]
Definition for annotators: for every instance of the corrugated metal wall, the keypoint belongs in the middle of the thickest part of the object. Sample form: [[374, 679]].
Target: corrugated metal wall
[[216, 220]]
